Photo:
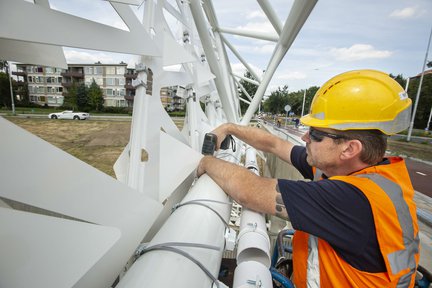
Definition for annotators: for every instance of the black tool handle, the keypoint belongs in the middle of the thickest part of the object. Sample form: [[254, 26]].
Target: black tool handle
[[209, 144]]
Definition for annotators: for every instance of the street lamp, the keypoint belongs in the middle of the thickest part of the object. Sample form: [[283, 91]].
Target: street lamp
[[419, 89], [304, 99], [10, 85]]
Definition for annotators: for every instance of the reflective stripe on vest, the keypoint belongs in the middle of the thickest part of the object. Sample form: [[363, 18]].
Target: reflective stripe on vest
[[398, 260], [405, 258], [312, 270]]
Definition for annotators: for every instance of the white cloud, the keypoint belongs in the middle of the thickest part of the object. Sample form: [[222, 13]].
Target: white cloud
[[73, 56], [257, 49], [256, 14], [359, 52], [293, 75], [79, 56], [239, 69], [405, 13], [261, 26]]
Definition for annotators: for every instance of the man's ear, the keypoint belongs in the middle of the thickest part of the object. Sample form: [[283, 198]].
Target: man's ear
[[351, 149]]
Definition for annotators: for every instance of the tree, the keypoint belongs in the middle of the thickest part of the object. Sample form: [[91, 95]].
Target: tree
[[400, 79], [5, 99], [95, 97], [70, 100], [82, 97], [250, 89], [425, 100], [277, 101]]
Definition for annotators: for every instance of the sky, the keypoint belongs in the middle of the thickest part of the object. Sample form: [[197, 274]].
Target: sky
[[339, 35]]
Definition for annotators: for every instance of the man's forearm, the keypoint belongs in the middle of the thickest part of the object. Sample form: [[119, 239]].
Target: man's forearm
[[246, 188]]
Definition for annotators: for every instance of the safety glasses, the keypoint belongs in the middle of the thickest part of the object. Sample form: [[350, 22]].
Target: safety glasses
[[318, 135]]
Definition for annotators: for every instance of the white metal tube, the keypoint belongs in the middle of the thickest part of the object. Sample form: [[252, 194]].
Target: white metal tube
[[304, 100], [252, 274], [188, 224], [244, 90], [251, 34], [253, 250], [297, 17], [201, 25], [192, 120], [9, 72], [271, 15], [247, 79], [239, 57], [419, 90], [244, 100]]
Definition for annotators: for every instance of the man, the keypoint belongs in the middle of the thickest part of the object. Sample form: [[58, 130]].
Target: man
[[356, 223]]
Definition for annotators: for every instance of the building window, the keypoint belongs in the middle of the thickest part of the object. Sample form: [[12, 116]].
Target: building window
[[110, 81], [110, 70], [121, 81], [98, 70], [120, 70]]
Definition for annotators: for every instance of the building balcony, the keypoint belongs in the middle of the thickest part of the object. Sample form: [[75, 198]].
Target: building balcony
[[19, 73], [21, 83], [75, 74], [130, 75]]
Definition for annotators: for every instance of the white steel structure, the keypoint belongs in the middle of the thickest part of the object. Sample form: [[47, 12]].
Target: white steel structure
[[79, 228]]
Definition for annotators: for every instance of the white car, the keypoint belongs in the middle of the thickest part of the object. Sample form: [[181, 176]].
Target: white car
[[68, 114]]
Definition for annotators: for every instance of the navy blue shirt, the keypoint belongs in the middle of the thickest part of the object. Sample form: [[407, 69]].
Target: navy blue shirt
[[334, 211]]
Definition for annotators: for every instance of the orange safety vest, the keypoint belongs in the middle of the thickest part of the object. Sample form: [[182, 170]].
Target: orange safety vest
[[390, 193]]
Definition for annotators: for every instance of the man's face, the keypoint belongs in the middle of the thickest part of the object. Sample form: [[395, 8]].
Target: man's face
[[322, 151]]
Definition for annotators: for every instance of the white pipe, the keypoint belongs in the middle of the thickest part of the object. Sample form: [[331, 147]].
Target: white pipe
[[201, 25], [188, 224], [247, 79], [243, 89], [253, 250], [239, 57], [251, 34], [252, 274], [297, 17], [253, 241], [192, 120], [271, 15]]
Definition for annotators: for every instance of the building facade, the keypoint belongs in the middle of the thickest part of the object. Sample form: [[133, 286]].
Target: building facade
[[49, 86], [44, 84]]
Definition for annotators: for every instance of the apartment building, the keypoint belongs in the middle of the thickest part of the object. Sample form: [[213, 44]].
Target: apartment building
[[44, 84], [49, 86]]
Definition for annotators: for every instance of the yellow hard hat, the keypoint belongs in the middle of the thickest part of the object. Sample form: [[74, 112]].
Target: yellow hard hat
[[359, 100]]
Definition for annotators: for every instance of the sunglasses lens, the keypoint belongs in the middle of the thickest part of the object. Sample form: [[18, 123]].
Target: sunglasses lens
[[314, 136]]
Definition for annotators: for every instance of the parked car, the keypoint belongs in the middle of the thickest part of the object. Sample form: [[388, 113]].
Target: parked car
[[68, 114]]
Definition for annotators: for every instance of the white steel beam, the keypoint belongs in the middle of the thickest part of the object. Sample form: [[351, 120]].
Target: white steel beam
[[251, 34], [243, 89], [239, 57], [247, 79], [297, 17], [213, 61], [85, 33], [271, 15]]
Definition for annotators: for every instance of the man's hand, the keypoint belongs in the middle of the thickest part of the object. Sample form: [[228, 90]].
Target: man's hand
[[201, 166], [221, 132]]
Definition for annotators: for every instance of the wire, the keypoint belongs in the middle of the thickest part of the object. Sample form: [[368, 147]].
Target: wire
[[168, 247], [198, 202]]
